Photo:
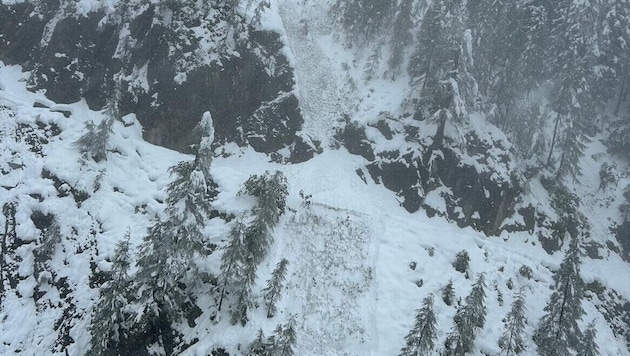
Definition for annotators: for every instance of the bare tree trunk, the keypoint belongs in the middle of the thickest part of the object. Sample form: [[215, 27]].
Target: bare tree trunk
[[553, 140]]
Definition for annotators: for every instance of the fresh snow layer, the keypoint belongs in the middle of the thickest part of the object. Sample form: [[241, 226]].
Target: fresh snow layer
[[350, 245]]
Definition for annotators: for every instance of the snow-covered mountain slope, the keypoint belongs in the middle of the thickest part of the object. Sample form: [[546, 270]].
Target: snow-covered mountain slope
[[359, 262]]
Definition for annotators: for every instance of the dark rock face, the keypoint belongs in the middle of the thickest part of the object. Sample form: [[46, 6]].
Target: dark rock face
[[248, 89], [473, 198]]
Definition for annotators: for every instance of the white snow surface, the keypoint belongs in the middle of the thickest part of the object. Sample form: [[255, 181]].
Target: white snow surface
[[350, 246]]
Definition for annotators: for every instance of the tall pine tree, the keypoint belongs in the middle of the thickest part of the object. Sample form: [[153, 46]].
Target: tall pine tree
[[470, 317], [166, 258], [110, 319], [558, 333], [421, 339], [273, 290], [511, 341]]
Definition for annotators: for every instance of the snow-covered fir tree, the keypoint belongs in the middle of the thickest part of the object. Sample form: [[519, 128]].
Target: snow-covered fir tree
[[283, 340], [363, 20], [469, 319], [512, 341], [258, 347], [421, 339], [93, 144], [589, 345], [401, 36], [272, 292], [110, 318], [558, 332], [270, 191], [448, 293], [8, 266], [166, 257]]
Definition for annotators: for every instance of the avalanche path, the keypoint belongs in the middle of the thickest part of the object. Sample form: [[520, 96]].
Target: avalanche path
[[319, 84]]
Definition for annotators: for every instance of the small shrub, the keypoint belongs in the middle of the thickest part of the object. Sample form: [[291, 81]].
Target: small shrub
[[526, 272], [462, 261]]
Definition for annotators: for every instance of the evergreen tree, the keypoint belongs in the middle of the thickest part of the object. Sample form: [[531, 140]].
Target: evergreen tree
[[558, 333], [93, 144], [363, 20], [511, 341], [589, 346], [259, 346], [233, 258], [270, 191], [50, 238], [401, 37], [110, 319], [8, 267], [283, 340], [470, 317], [462, 261], [249, 243], [421, 339], [166, 257], [575, 58], [619, 139], [448, 293], [273, 289]]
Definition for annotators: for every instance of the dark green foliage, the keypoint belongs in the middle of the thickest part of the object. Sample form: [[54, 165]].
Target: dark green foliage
[[259, 346], [589, 345], [526, 272], [283, 340], [401, 37], [237, 276], [363, 20], [270, 191], [249, 244], [8, 270], [470, 317], [558, 333], [448, 293], [421, 339], [273, 289], [619, 138], [93, 144], [50, 239], [110, 318], [462, 261], [166, 257], [608, 175], [511, 341]]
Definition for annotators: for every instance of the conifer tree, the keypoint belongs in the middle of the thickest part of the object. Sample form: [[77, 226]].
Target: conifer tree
[[558, 333], [7, 267], [233, 259], [165, 262], [470, 317], [363, 20], [421, 339], [589, 346], [511, 341], [283, 340], [448, 293], [270, 191], [259, 346], [93, 144], [401, 37], [273, 289], [462, 261], [50, 239], [110, 319]]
